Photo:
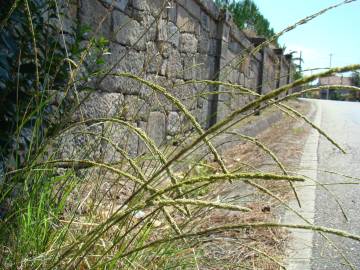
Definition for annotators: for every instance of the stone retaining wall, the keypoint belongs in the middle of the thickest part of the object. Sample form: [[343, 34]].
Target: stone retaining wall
[[170, 43]]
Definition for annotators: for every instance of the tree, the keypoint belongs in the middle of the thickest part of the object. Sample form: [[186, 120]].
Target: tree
[[247, 15], [355, 80]]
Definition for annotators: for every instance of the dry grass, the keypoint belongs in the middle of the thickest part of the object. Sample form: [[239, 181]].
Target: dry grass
[[256, 248], [133, 214], [103, 193]]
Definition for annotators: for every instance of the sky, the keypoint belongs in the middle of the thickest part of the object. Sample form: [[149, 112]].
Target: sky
[[336, 32]]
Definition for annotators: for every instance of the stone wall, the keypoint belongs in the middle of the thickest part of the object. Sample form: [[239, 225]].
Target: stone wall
[[171, 43]]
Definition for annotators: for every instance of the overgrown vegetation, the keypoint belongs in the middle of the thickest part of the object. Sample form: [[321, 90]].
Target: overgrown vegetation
[[37, 55], [142, 212], [26, 76]]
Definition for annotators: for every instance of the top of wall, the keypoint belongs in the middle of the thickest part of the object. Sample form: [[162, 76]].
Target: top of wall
[[208, 6]]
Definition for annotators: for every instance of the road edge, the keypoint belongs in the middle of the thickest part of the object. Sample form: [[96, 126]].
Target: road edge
[[299, 250]]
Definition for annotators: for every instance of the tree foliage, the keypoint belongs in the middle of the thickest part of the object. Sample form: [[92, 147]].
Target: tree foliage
[[355, 78], [355, 81], [247, 15]]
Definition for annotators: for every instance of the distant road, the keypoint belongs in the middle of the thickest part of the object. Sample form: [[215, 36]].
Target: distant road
[[341, 120]]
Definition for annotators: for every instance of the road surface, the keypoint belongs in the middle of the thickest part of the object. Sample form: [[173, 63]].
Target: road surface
[[341, 120], [307, 250]]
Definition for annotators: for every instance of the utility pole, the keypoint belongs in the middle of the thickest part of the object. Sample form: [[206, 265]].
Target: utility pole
[[300, 67], [331, 55], [330, 64]]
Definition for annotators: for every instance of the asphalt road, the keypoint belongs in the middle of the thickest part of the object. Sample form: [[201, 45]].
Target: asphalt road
[[341, 120]]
